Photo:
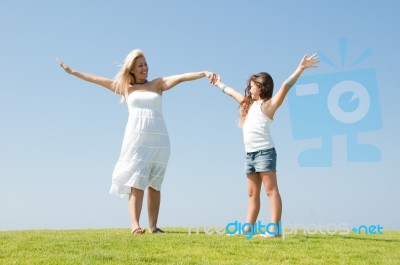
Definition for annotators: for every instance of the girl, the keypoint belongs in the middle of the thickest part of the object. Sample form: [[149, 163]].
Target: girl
[[257, 108]]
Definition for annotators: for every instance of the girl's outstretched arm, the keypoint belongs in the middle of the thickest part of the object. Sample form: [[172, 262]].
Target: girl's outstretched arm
[[227, 90], [306, 62], [102, 81]]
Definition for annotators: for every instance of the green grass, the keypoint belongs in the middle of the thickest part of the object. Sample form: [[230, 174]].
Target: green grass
[[117, 246]]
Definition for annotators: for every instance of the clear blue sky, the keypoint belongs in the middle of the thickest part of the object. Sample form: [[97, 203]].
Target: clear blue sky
[[60, 137]]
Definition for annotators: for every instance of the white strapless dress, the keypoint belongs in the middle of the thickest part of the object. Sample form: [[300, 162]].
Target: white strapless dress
[[145, 149]]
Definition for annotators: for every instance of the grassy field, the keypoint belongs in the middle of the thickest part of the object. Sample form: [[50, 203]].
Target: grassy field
[[117, 246]]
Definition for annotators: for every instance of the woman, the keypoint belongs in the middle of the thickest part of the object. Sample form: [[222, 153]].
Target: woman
[[257, 109], [145, 148]]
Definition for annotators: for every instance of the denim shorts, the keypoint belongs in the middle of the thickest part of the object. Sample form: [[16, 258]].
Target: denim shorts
[[261, 161]]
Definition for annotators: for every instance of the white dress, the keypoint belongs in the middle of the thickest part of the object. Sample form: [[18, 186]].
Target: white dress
[[145, 148]]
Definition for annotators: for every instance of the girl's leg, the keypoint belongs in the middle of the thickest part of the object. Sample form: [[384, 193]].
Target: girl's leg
[[253, 187], [135, 206], [153, 206], [271, 187]]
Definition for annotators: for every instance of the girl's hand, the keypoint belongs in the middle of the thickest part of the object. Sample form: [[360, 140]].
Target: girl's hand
[[309, 61], [216, 80], [211, 76]]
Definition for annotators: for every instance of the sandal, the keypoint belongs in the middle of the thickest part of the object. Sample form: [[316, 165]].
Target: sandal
[[265, 236], [235, 234], [157, 231], [138, 231]]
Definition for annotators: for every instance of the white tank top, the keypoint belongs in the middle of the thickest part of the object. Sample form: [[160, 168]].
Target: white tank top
[[256, 133]]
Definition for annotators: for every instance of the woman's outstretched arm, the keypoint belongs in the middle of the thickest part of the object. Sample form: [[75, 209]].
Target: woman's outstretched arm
[[102, 81], [165, 83]]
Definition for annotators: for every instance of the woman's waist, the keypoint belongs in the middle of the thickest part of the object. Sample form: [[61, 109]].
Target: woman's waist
[[145, 112]]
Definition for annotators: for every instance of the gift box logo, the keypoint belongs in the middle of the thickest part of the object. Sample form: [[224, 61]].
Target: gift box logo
[[337, 103]]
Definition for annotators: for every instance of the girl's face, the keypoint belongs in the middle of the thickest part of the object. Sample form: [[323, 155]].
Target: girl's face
[[140, 69], [254, 91]]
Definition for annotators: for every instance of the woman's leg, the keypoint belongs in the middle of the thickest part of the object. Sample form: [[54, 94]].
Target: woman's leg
[[275, 202], [135, 206], [153, 206], [253, 188]]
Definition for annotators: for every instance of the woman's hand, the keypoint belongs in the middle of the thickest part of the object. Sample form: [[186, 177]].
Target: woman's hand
[[64, 66], [211, 76], [215, 79]]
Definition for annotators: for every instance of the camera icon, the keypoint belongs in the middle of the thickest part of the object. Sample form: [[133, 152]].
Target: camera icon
[[325, 105]]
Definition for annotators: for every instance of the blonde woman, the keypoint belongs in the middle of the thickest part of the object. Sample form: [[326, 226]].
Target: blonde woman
[[257, 109], [145, 147]]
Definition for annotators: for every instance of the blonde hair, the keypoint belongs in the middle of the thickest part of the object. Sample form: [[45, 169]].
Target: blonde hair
[[124, 78]]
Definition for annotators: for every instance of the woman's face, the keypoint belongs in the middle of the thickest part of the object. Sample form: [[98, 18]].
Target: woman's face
[[254, 91], [140, 69]]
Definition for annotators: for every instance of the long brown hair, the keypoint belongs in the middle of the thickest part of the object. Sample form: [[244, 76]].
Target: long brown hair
[[266, 85]]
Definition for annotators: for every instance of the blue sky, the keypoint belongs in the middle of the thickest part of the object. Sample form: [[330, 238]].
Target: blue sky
[[60, 137]]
